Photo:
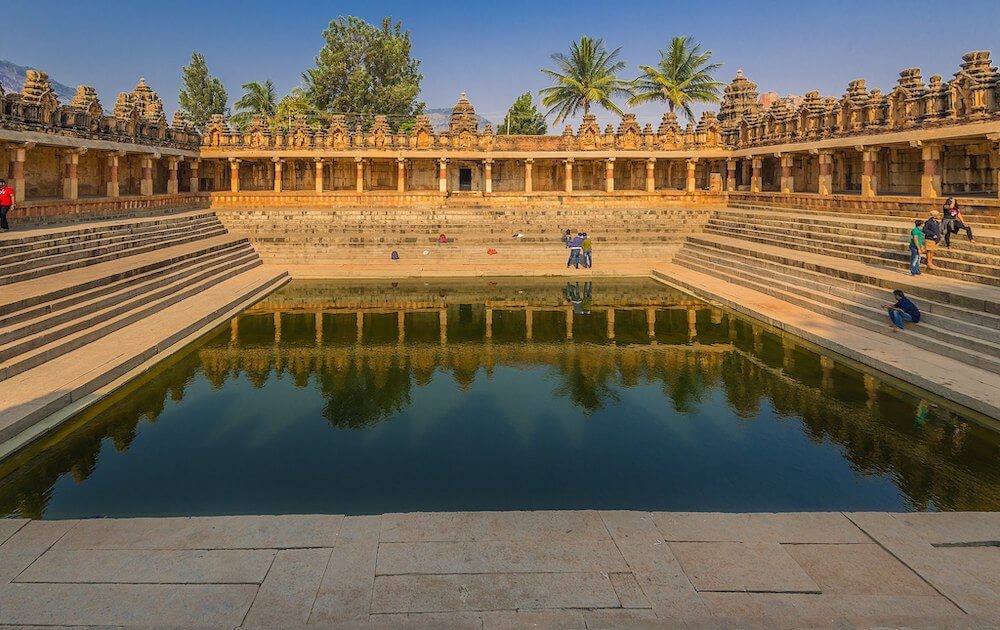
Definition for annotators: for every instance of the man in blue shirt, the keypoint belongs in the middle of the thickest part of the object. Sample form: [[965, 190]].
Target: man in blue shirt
[[903, 310], [575, 250]]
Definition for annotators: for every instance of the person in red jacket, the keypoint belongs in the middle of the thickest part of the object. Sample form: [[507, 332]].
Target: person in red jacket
[[6, 203]]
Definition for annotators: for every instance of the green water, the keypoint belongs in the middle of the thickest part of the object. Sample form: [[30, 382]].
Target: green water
[[333, 397]]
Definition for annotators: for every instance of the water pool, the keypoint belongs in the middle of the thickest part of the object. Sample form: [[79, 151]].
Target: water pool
[[372, 397]]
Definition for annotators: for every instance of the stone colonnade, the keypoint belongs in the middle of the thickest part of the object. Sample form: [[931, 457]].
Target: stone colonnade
[[486, 175], [917, 168], [41, 172]]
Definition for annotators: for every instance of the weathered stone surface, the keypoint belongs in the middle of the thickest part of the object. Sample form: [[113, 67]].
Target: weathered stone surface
[[494, 591], [656, 569], [9, 526], [627, 588], [611, 619], [828, 609], [964, 590], [496, 526], [230, 566], [701, 526], [287, 595], [949, 528], [346, 590], [548, 619], [126, 604], [213, 532], [422, 621], [982, 563], [857, 570], [803, 527], [728, 566], [30, 542], [499, 557]]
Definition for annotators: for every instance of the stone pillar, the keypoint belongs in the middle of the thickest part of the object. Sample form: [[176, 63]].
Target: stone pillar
[[689, 183], [400, 175], [71, 180], [756, 174], [17, 171], [651, 322], [529, 323], [995, 137], [113, 187], [488, 176], [930, 180], [195, 184], [568, 184], [172, 187], [234, 175], [489, 323], [692, 317], [527, 174], [359, 174], [825, 172], [400, 326], [277, 174], [569, 322], [443, 175], [731, 175], [609, 175], [611, 323], [787, 179], [146, 185], [319, 175], [319, 328], [443, 319], [651, 175], [869, 172]]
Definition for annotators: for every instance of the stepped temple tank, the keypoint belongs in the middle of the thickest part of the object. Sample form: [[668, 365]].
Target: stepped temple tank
[[361, 397]]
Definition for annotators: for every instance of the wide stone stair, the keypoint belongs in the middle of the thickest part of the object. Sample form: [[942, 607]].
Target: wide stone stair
[[960, 319], [82, 306], [871, 240], [369, 236]]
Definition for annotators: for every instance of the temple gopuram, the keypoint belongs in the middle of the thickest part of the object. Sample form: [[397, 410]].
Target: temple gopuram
[[919, 140]]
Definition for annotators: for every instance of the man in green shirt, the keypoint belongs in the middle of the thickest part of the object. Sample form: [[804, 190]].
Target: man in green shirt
[[916, 247]]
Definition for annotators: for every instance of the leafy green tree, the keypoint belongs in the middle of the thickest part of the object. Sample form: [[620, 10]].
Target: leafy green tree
[[258, 98], [365, 69], [587, 75], [523, 118], [202, 95], [683, 77], [293, 104]]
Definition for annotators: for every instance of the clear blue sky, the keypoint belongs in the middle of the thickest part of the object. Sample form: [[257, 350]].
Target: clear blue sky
[[494, 50]]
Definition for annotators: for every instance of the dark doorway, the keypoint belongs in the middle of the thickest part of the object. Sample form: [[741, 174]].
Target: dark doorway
[[465, 179]]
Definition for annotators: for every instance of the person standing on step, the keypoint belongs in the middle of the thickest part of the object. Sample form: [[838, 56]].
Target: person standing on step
[[567, 237], [954, 221], [6, 204], [904, 310], [916, 247], [575, 250], [588, 251], [932, 237]]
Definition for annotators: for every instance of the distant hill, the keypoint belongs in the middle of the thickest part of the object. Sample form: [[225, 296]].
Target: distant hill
[[440, 117], [12, 79]]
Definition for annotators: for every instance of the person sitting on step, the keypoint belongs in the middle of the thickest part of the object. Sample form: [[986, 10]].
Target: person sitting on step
[[954, 221], [904, 310]]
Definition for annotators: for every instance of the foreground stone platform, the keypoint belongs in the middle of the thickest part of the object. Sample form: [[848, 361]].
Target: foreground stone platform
[[581, 569]]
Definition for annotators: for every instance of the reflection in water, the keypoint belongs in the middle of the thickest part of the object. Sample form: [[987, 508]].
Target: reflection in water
[[501, 395]]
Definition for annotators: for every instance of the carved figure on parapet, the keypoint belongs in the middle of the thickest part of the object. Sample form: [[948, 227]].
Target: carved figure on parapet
[[629, 133]]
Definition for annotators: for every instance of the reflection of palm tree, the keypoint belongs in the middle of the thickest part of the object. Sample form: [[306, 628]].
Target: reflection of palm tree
[[358, 397], [685, 386], [588, 385]]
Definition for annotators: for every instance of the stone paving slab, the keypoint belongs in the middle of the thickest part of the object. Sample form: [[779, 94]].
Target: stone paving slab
[[729, 566], [208, 532], [952, 528], [28, 544], [10, 526], [498, 526], [345, 593], [287, 595], [493, 591], [217, 566], [175, 605], [858, 570], [499, 557], [792, 527]]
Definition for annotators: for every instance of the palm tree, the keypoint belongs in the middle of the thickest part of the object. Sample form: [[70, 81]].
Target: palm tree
[[258, 98], [586, 76], [683, 77]]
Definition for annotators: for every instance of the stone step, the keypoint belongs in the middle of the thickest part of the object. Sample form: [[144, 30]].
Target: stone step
[[844, 311], [76, 285], [41, 239], [101, 240], [959, 293], [863, 289], [878, 213], [50, 320], [986, 274], [36, 394], [29, 352], [933, 322], [981, 251], [31, 236], [99, 255]]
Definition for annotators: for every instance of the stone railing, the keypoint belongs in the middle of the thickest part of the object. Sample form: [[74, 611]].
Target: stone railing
[[65, 210]]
